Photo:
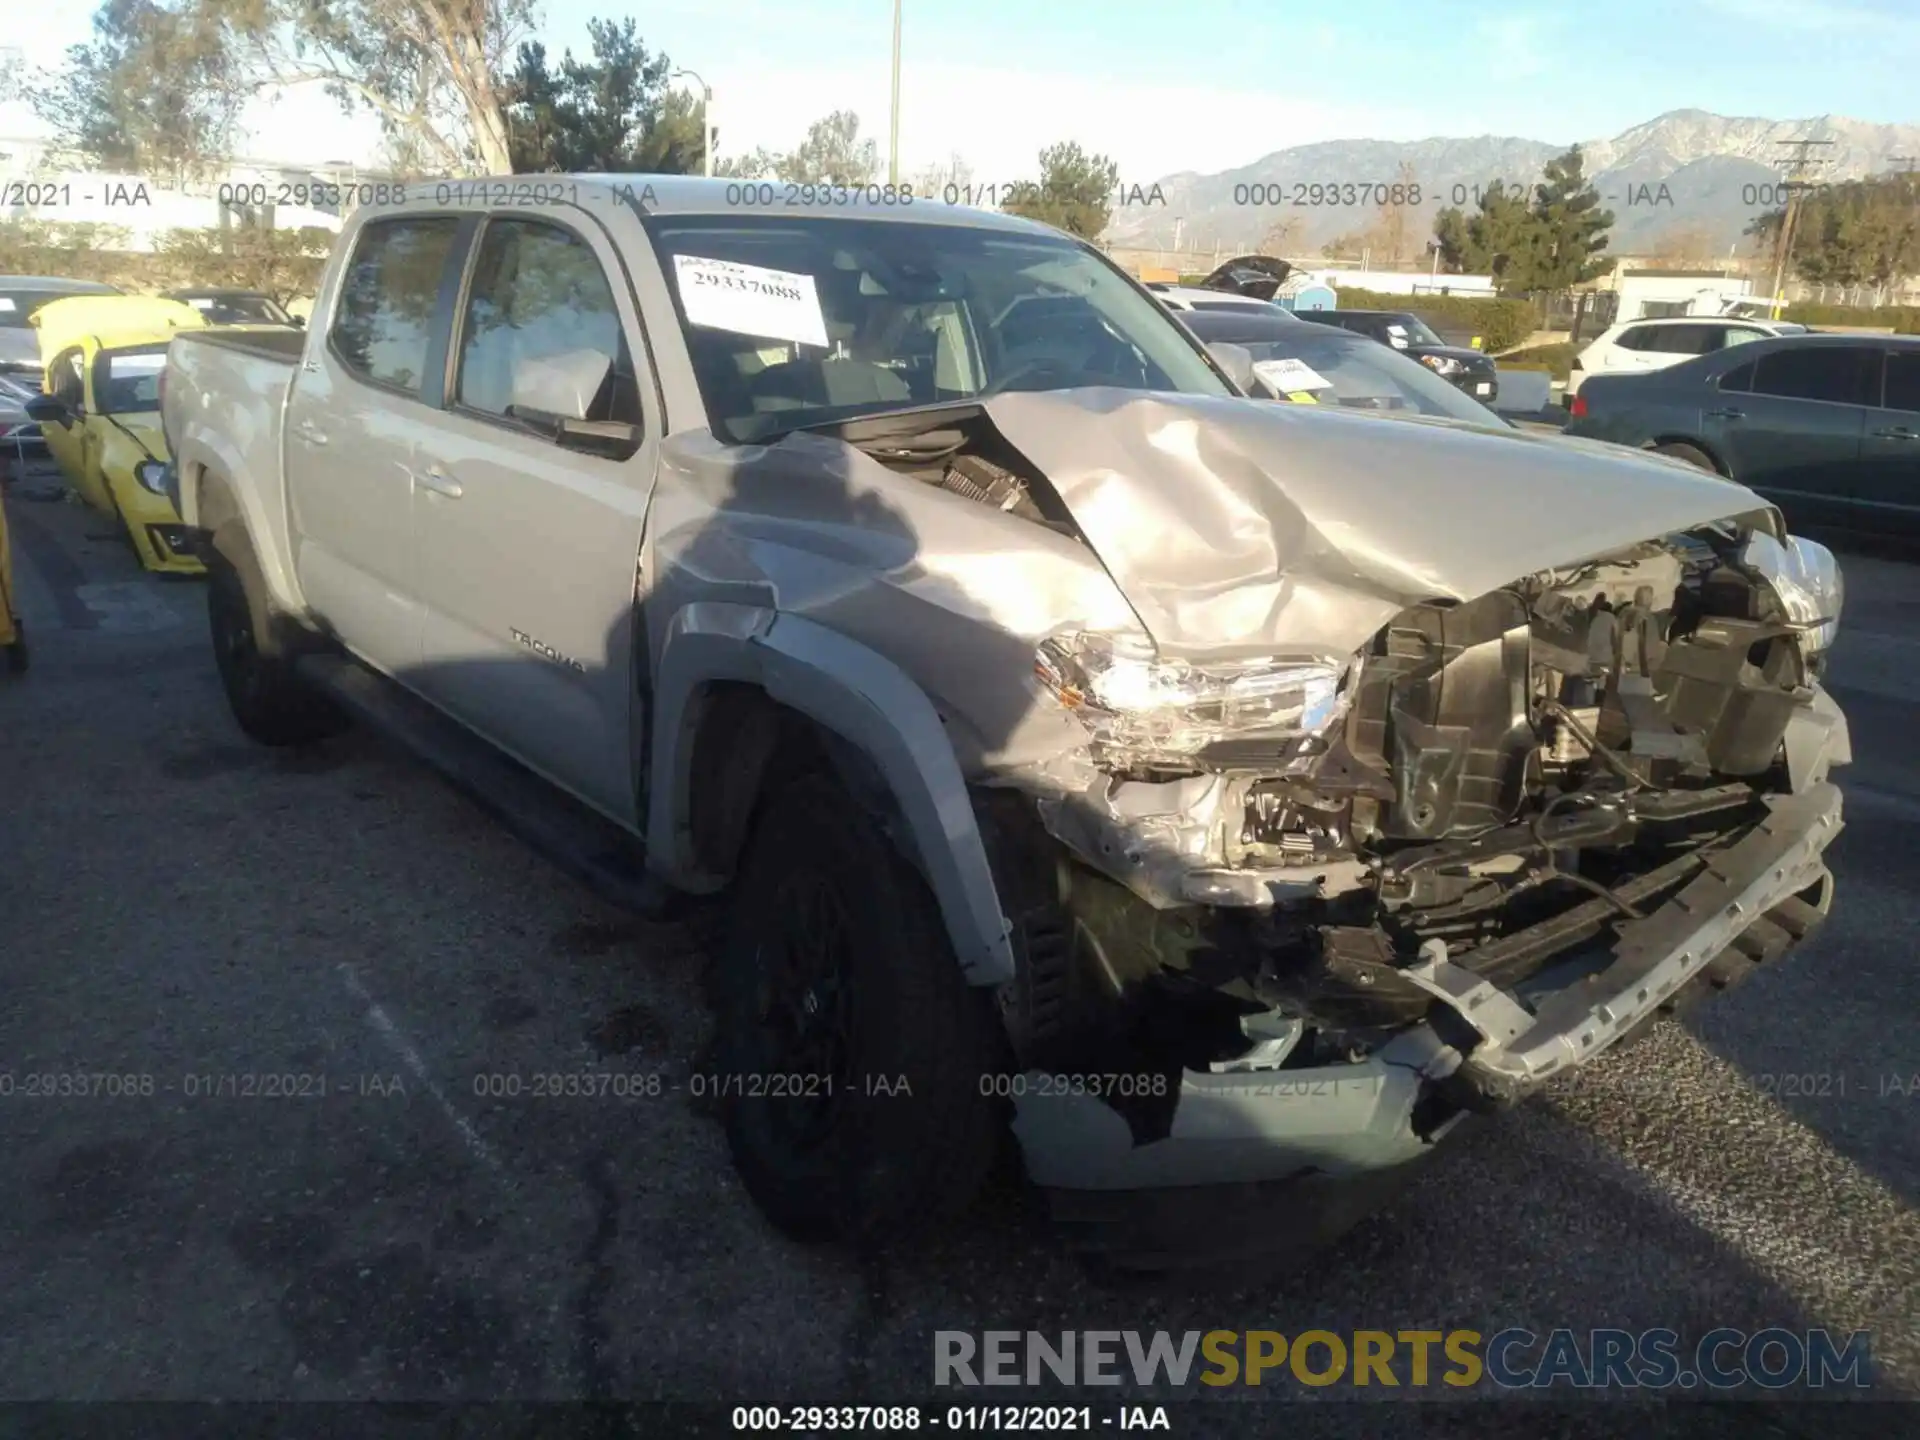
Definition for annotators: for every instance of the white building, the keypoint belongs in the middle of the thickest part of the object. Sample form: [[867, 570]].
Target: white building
[[1656, 294], [1406, 282]]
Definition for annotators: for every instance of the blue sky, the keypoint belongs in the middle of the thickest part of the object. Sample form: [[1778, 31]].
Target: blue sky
[[1209, 84]]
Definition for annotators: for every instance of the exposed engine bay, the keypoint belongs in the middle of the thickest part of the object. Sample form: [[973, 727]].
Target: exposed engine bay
[[1280, 861]]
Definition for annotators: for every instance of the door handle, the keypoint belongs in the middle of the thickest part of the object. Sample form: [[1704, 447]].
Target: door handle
[[1726, 414], [438, 481], [1897, 432], [307, 431]]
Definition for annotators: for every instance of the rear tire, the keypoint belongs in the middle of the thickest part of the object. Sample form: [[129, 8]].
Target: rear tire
[[837, 976], [1692, 454], [268, 700]]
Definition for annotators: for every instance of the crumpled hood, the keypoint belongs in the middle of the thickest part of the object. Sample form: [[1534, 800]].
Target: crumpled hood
[[1238, 526], [144, 427]]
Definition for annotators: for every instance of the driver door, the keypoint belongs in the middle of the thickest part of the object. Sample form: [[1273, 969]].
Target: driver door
[[66, 381]]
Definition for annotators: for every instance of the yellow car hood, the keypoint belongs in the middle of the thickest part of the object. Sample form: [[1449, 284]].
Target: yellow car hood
[[144, 426], [114, 320]]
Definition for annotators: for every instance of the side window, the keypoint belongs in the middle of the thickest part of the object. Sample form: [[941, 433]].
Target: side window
[[1845, 374], [68, 379], [1903, 380], [1687, 339], [1637, 337], [384, 320], [1742, 335], [541, 337], [1738, 380]]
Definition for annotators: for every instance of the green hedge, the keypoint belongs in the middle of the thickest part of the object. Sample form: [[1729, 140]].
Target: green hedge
[[1556, 360], [1904, 319], [1499, 324]]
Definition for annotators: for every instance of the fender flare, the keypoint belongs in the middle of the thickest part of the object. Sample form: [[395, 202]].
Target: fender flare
[[866, 700], [203, 457]]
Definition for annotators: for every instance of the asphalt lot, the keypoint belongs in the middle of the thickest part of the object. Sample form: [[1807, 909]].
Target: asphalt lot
[[179, 907]]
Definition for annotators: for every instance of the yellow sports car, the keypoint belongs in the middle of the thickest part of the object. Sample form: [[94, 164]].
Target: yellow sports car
[[100, 416]]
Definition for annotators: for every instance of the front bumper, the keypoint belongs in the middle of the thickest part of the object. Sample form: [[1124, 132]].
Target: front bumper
[[1482, 385], [1483, 1048], [163, 544]]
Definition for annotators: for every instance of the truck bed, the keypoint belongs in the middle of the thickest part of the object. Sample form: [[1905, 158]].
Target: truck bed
[[284, 346]]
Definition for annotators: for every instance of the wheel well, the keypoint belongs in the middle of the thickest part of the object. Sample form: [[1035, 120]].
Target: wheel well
[[1691, 443], [744, 746], [214, 500]]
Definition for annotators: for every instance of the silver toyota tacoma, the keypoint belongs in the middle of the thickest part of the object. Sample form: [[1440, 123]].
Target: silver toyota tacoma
[[1234, 796]]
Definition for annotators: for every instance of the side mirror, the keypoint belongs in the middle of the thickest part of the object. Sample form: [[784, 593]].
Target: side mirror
[[46, 410], [611, 439], [1236, 360]]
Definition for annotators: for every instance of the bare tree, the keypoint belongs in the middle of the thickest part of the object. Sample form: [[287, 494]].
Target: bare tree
[[1687, 246], [1281, 236], [948, 181]]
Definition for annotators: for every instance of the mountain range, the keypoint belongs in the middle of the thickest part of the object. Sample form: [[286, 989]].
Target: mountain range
[[1687, 182]]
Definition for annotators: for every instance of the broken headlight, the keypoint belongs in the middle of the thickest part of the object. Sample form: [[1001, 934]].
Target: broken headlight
[[1806, 577], [1145, 710]]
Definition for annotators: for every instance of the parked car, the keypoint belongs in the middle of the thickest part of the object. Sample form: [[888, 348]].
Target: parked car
[[1319, 365], [1193, 297], [20, 297], [1640, 345], [1198, 782], [19, 436], [100, 415], [234, 307], [1827, 427], [1243, 286], [1459, 365]]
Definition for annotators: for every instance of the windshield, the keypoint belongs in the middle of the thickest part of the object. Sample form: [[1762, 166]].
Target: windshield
[[238, 309], [798, 323], [1321, 369], [1404, 330], [128, 381]]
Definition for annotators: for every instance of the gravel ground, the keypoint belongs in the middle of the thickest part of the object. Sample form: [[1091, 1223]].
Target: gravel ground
[[179, 908]]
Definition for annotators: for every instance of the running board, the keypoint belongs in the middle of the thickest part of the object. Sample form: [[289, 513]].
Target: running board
[[570, 835]]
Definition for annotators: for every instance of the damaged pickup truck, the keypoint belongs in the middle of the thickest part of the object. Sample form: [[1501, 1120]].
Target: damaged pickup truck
[[1235, 796]]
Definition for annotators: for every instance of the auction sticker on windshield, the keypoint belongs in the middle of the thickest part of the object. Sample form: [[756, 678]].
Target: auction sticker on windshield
[[1290, 377], [750, 299]]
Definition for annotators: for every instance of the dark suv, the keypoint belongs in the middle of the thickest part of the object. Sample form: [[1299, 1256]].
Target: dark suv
[[1466, 368]]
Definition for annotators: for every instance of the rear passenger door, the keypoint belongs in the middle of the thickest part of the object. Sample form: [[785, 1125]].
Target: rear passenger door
[[1795, 433], [1889, 472], [528, 543], [353, 422], [1629, 350]]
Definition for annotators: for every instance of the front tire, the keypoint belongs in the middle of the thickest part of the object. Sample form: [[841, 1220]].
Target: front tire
[[267, 699], [855, 1063]]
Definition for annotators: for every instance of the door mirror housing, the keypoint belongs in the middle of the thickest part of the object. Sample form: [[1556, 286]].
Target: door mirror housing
[[613, 439], [46, 410], [1237, 361]]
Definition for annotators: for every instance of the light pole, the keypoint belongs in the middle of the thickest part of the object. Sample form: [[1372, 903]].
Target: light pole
[[893, 139], [706, 116]]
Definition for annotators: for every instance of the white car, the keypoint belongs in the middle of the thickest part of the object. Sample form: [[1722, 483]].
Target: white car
[[1655, 344], [1192, 297]]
